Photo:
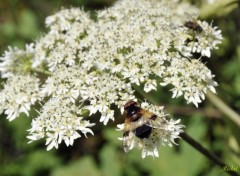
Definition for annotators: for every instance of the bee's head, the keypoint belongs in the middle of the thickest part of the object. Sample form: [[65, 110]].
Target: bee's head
[[131, 107], [129, 104]]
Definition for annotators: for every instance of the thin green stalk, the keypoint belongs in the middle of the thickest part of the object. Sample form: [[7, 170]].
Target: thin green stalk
[[224, 108], [144, 94], [207, 153], [41, 71]]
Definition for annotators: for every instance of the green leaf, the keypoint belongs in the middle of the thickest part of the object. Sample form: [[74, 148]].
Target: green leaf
[[8, 29], [84, 166], [219, 8], [110, 164], [112, 136], [40, 161], [28, 26]]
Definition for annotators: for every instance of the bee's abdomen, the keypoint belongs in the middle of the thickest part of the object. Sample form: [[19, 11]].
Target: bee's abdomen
[[143, 131]]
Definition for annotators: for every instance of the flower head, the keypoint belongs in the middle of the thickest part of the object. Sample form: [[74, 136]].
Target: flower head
[[87, 65]]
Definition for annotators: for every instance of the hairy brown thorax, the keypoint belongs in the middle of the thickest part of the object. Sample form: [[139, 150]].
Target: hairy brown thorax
[[193, 25]]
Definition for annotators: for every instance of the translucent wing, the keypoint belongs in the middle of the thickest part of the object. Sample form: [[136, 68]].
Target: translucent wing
[[127, 136], [128, 140], [153, 120], [191, 17]]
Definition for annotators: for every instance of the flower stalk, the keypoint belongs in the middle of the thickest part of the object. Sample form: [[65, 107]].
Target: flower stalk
[[206, 153], [224, 108]]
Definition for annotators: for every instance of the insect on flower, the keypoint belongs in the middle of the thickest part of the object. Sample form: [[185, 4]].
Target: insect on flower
[[138, 123], [192, 24]]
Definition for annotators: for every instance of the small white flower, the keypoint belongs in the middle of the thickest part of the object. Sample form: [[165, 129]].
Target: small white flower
[[16, 61], [150, 85], [109, 114]]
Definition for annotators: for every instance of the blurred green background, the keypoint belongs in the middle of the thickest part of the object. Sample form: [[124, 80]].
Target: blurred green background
[[22, 21]]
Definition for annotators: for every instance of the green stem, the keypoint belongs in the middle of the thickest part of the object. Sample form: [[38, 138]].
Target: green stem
[[207, 153], [144, 94], [224, 108], [38, 70]]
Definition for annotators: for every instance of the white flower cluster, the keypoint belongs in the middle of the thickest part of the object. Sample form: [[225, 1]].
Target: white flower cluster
[[85, 64], [64, 43], [18, 94], [59, 121], [189, 77], [201, 40], [15, 61], [164, 132]]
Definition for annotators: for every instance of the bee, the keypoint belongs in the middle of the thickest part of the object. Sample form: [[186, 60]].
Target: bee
[[192, 24], [138, 123]]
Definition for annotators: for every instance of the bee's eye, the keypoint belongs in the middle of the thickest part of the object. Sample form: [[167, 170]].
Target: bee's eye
[[132, 110]]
